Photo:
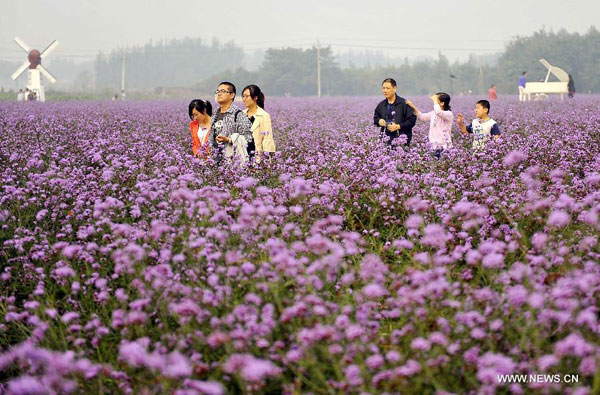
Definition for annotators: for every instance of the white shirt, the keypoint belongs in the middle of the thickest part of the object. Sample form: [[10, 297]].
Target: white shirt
[[482, 131], [202, 132]]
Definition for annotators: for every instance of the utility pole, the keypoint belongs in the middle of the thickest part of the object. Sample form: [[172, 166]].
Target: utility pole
[[318, 69], [123, 75]]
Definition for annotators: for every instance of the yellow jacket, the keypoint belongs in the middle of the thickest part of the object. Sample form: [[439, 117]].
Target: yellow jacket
[[262, 132]]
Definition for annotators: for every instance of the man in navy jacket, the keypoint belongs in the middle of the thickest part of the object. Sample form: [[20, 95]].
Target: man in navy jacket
[[393, 115]]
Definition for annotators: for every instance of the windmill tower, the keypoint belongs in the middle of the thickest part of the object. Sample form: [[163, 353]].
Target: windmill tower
[[34, 67]]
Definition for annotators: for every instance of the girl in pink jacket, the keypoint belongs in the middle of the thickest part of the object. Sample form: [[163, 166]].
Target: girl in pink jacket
[[440, 122]]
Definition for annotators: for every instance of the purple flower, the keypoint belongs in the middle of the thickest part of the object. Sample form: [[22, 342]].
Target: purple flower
[[374, 362], [536, 300], [539, 240], [434, 236], [493, 261], [574, 345], [374, 291], [410, 368], [177, 366], [393, 356], [514, 158], [490, 366], [414, 221], [26, 385], [438, 338], [251, 369], [559, 218], [247, 182], [420, 344], [372, 267], [517, 295], [354, 332], [547, 361], [588, 366], [69, 316], [352, 373], [205, 387], [41, 214], [64, 271]]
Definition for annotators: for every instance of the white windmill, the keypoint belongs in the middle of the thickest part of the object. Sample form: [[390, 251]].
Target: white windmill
[[33, 65]]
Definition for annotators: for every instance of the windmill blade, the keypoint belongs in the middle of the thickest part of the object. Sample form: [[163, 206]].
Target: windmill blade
[[21, 44], [46, 73], [49, 49], [20, 70]]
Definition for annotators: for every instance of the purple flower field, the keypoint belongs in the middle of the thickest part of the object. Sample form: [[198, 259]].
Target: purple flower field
[[338, 266]]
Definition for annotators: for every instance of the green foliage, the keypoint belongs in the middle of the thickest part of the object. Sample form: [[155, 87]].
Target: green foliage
[[576, 54], [174, 63], [294, 71]]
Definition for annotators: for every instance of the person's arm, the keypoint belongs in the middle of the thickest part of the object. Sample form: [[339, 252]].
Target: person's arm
[[377, 118], [409, 120], [265, 126], [461, 126], [445, 115], [420, 115], [242, 127]]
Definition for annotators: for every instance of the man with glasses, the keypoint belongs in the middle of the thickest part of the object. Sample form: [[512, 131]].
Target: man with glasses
[[393, 115], [228, 122]]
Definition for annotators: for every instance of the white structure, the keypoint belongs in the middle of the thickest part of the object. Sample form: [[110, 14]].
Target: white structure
[[542, 89], [33, 65]]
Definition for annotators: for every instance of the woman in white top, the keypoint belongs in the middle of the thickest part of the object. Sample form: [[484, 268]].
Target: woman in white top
[[440, 122], [262, 131], [200, 112]]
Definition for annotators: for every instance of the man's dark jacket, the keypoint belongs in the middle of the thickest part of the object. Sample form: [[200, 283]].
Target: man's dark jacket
[[404, 116]]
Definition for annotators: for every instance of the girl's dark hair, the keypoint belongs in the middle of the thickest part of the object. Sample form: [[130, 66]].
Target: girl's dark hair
[[200, 105], [445, 100], [256, 94]]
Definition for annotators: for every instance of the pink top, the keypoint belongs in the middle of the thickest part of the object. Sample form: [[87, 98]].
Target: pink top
[[440, 126]]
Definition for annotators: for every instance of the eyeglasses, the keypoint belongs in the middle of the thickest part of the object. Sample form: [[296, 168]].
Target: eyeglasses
[[246, 96], [222, 91]]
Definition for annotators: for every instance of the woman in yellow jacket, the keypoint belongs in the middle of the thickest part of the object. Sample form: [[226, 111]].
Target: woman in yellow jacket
[[262, 132]]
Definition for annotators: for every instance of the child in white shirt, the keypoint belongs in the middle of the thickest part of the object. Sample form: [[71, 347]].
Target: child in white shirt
[[482, 127]]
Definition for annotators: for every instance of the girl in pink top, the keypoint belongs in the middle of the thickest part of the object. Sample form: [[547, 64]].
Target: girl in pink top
[[440, 122]]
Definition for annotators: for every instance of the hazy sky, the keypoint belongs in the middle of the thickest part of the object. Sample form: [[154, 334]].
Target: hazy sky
[[398, 28]]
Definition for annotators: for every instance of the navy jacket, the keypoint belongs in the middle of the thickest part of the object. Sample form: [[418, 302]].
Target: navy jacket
[[404, 116]]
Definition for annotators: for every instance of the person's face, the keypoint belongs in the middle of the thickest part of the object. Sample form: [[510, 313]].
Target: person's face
[[199, 116], [224, 94], [247, 98], [480, 111], [388, 90]]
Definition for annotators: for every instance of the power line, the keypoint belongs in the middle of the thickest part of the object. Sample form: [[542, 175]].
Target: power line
[[414, 48], [415, 40], [90, 54]]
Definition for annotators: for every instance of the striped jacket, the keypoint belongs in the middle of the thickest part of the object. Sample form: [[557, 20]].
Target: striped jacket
[[234, 121]]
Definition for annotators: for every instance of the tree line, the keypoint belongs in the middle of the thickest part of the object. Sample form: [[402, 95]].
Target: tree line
[[293, 71], [165, 63]]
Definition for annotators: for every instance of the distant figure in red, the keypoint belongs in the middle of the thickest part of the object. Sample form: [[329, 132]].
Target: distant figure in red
[[492, 95]]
